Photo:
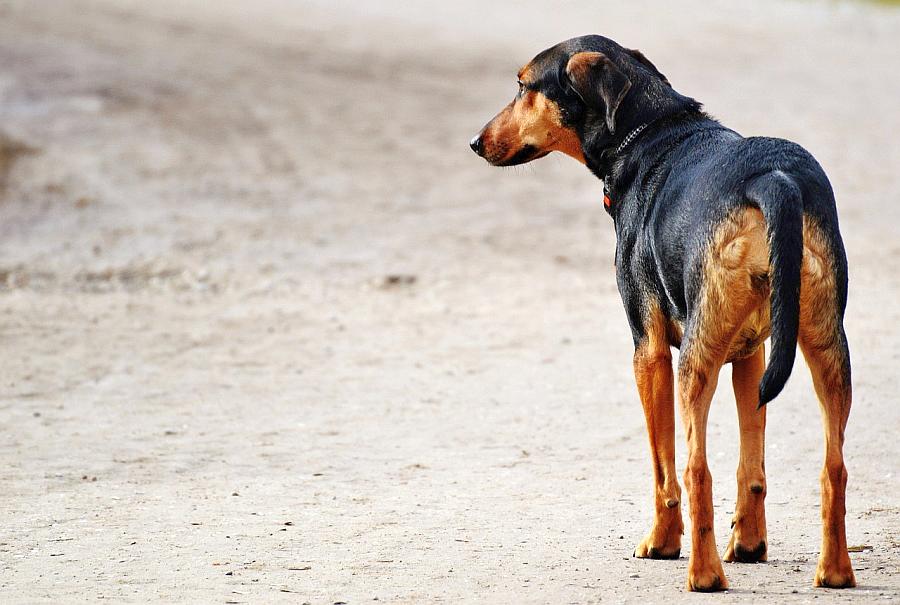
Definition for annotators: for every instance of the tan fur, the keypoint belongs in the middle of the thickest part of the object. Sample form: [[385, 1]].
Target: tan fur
[[736, 290], [581, 64], [818, 318], [696, 386], [734, 303], [820, 339], [531, 119], [653, 374], [749, 523]]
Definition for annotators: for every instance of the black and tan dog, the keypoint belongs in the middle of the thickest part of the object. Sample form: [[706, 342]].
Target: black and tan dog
[[721, 241]]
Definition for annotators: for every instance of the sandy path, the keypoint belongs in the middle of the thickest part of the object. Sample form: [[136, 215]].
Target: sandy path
[[212, 391]]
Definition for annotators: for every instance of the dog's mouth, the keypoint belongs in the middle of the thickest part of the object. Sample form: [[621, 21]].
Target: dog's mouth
[[526, 154]]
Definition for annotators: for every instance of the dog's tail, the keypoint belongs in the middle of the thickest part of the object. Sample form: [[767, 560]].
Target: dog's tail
[[781, 202]]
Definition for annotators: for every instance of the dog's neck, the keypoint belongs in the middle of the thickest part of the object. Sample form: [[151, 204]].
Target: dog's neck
[[631, 136], [603, 159], [640, 149]]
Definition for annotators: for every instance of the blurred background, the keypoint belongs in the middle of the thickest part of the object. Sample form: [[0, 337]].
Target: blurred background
[[272, 332]]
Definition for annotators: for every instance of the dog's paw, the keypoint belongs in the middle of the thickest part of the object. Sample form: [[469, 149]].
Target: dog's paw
[[706, 580], [747, 543], [653, 548], [837, 574], [738, 553]]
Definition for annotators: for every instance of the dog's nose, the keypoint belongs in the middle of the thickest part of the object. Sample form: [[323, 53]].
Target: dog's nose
[[477, 144]]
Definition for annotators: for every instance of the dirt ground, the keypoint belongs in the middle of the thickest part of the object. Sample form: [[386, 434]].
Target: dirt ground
[[272, 333]]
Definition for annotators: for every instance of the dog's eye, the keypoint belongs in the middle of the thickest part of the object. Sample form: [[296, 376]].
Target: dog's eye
[[521, 87]]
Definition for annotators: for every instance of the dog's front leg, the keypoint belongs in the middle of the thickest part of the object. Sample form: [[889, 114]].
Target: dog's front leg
[[653, 374]]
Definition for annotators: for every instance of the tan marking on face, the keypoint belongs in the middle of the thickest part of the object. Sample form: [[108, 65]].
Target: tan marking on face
[[531, 119], [525, 74]]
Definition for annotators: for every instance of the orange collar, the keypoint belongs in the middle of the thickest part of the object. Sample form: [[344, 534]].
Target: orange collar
[[607, 201]]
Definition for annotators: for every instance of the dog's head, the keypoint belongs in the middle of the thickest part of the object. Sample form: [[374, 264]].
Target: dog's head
[[578, 97]]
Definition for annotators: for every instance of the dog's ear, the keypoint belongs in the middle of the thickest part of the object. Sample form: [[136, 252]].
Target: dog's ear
[[595, 79], [639, 56]]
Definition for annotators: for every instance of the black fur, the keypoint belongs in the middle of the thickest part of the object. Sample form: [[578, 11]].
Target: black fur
[[677, 181]]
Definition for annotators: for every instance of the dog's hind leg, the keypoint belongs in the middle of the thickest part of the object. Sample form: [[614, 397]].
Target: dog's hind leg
[[653, 374], [696, 385], [824, 346], [831, 377], [726, 297], [748, 538]]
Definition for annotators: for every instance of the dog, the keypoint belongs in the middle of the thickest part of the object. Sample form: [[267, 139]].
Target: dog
[[721, 242]]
